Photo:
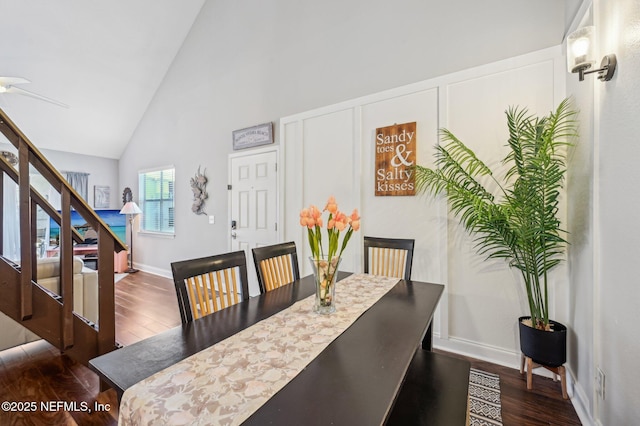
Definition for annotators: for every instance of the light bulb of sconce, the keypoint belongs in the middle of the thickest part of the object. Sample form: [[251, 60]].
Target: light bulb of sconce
[[2, 89], [580, 46], [580, 49]]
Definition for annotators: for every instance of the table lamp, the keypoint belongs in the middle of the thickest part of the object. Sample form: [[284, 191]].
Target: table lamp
[[132, 210]]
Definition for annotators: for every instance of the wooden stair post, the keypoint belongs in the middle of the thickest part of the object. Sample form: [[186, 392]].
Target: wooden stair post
[[26, 308], [47, 314]]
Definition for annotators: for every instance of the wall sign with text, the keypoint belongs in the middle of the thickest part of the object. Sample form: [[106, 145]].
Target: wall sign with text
[[262, 134], [395, 148]]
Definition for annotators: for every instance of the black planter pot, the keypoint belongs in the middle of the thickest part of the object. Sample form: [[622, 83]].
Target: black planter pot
[[547, 348]]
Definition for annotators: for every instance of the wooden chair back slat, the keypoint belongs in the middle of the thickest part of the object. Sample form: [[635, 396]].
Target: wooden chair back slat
[[277, 271], [276, 265], [209, 284], [267, 273], [202, 299], [214, 299], [193, 288], [388, 262], [223, 292], [270, 271], [391, 257]]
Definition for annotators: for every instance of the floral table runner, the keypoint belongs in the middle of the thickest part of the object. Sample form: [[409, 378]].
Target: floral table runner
[[226, 383]]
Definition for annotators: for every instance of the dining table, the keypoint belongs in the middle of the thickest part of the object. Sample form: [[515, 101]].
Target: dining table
[[355, 379]]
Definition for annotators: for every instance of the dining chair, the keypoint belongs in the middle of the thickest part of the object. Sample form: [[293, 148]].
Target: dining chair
[[276, 265], [209, 284], [391, 257]]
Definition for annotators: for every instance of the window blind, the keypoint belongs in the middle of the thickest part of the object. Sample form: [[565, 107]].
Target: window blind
[[156, 194]]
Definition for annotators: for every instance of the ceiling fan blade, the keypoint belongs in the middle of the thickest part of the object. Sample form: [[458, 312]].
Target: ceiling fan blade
[[9, 81], [14, 89]]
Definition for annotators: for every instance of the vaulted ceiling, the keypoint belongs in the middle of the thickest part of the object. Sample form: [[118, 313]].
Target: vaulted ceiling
[[104, 60]]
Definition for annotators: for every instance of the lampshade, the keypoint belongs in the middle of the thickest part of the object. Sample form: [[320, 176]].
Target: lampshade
[[581, 49], [130, 208]]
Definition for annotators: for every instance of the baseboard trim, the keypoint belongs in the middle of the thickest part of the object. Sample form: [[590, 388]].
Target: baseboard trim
[[491, 354], [581, 402], [479, 351], [153, 270]]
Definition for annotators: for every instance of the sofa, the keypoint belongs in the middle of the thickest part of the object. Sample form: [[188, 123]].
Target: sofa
[[85, 298]]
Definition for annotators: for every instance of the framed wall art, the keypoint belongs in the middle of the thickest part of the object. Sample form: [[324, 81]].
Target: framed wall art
[[262, 134], [101, 197]]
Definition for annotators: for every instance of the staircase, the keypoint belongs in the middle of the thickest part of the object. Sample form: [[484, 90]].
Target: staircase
[[47, 314]]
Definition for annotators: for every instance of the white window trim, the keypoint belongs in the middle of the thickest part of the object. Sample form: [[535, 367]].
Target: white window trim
[[156, 234]]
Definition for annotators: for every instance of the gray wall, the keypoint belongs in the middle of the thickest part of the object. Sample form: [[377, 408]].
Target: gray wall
[[102, 171], [244, 65]]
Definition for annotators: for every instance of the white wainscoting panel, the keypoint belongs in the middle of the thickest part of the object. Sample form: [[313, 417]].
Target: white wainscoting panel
[[331, 151], [487, 297], [328, 164]]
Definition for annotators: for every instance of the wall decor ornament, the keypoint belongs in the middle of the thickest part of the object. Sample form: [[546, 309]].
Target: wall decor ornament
[[101, 197], [10, 157], [127, 196], [198, 187]]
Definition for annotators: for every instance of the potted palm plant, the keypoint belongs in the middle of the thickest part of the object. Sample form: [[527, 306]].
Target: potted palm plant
[[518, 221]]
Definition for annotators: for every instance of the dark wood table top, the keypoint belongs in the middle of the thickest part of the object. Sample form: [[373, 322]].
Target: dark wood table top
[[358, 375]]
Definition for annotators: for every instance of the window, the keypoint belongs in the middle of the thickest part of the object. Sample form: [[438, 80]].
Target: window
[[156, 200]]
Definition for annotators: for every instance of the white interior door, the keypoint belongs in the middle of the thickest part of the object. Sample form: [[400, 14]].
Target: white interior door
[[253, 205]]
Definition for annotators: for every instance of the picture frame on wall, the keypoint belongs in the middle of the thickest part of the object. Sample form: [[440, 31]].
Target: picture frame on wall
[[261, 134], [101, 197]]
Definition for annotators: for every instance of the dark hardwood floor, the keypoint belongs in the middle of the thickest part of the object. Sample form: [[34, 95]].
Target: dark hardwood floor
[[146, 305], [543, 405]]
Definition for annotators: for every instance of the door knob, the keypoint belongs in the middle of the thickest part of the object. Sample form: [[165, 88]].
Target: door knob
[[233, 235]]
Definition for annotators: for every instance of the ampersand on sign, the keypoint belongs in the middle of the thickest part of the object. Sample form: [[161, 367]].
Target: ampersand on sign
[[401, 159]]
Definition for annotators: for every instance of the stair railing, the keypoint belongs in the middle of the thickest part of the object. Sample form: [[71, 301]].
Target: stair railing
[[28, 201]]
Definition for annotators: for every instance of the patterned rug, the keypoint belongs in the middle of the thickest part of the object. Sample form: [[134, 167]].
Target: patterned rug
[[484, 398]]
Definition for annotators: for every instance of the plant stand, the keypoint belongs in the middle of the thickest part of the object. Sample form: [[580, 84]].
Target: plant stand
[[557, 371]]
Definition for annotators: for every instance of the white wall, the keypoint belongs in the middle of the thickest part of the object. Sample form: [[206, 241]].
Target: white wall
[[475, 114], [243, 65], [580, 224], [479, 310], [329, 152], [602, 219], [618, 149]]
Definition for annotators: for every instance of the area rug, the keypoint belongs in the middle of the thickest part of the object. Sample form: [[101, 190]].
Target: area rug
[[484, 398], [118, 277]]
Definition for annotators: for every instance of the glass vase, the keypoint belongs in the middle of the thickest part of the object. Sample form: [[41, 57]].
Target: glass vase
[[325, 274]]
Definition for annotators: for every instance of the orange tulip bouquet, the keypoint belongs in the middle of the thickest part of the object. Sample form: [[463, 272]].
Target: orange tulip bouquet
[[325, 266]]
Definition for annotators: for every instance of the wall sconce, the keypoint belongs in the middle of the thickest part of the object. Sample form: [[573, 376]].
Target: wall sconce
[[581, 54]]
